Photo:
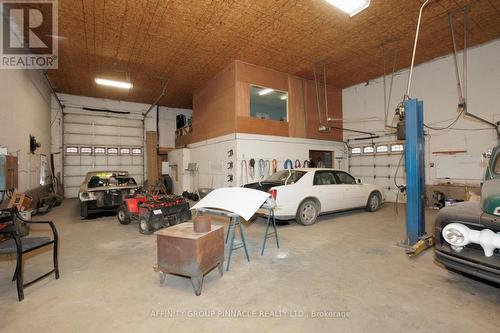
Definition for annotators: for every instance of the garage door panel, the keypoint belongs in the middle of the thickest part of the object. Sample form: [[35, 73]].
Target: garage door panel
[[126, 159], [73, 181], [88, 120], [99, 131], [131, 142], [87, 160], [72, 160], [71, 192], [114, 160], [137, 161], [116, 131], [135, 169], [72, 170]]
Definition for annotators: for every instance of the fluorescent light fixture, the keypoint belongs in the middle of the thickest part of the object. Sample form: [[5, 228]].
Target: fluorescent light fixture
[[265, 91], [116, 84], [283, 97], [351, 7]]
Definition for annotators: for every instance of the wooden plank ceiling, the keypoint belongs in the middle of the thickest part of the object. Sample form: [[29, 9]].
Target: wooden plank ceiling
[[189, 41]]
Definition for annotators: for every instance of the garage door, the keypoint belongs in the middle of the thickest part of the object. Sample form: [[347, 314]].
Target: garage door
[[377, 164], [96, 142]]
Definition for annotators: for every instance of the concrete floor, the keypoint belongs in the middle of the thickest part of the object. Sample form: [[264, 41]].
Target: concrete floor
[[347, 265]]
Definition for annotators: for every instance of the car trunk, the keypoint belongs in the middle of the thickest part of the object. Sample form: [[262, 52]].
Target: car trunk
[[263, 186]]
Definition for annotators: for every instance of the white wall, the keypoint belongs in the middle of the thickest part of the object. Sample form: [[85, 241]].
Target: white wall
[[212, 157], [181, 180], [25, 110], [282, 148], [75, 103], [434, 82]]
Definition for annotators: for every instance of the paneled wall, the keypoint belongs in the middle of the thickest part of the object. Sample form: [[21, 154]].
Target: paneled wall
[[303, 120], [213, 107], [222, 106]]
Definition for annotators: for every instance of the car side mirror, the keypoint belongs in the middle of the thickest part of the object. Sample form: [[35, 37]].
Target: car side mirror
[[359, 181]]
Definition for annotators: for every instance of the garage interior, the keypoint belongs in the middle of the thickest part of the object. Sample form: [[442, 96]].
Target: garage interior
[[243, 110]]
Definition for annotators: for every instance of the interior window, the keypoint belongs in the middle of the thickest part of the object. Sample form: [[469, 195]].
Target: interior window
[[266, 103], [345, 178], [324, 178]]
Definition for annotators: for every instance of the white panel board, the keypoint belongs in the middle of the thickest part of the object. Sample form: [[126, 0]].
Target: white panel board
[[242, 201], [459, 166]]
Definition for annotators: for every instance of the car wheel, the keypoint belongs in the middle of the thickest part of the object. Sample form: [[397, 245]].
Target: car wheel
[[84, 209], [185, 216], [144, 226], [373, 203], [307, 212], [123, 215]]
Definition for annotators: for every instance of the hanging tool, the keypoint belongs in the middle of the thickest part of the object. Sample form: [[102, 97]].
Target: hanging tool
[[244, 173], [251, 168], [268, 167], [262, 169]]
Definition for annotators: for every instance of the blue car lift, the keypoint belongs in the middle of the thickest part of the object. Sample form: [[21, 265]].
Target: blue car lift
[[411, 112], [417, 240]]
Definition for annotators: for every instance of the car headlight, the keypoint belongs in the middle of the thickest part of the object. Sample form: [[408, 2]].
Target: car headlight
[[454, 236], [86, 196], [458, 236], [497, 211]]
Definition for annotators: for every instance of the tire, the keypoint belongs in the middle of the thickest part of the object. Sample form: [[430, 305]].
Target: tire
[[84, 209], [169, 184], [144, 226], [373, 203], [123, 215], [185, 216], [307, 213]]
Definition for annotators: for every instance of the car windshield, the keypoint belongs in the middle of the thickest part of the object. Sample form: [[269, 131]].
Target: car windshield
[[496, 166], [110, 179], [281, 176]]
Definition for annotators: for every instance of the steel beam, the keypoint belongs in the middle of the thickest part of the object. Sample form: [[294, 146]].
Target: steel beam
[[415, 171]]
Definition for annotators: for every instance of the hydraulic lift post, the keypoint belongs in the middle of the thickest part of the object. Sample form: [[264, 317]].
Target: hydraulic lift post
[[417, 240], [415, 172]]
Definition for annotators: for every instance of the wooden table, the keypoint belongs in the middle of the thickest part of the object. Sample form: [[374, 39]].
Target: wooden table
[[184, 252]]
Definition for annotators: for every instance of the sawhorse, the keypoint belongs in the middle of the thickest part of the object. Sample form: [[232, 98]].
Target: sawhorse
[[271, 220], [234, 221]]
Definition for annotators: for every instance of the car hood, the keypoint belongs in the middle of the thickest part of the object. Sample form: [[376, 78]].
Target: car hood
[[468, 212], [108, 188], [490, 196]]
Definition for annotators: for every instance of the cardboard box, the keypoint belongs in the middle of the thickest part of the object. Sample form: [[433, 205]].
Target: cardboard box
[[21, 201]]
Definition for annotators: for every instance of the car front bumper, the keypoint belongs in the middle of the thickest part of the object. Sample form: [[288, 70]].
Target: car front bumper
[[470, 262], [471, 259]]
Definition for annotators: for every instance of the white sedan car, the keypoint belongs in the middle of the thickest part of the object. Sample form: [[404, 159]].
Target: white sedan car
[[305, 193]]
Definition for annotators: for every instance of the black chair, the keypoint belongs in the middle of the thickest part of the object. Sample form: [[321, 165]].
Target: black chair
[[21, 245]]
